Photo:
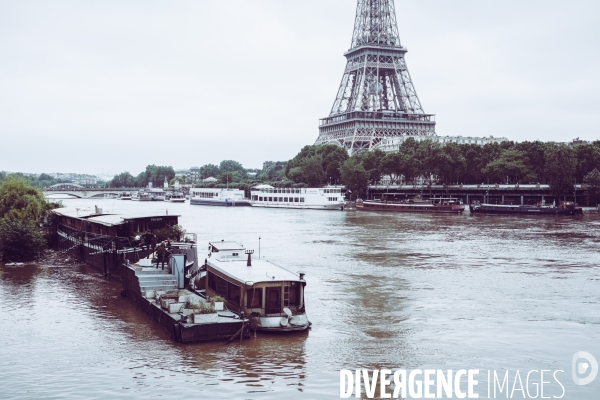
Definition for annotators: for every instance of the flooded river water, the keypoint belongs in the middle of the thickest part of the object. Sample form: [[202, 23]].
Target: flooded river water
[[396, 291]]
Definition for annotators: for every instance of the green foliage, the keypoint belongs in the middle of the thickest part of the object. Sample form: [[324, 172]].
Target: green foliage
[[231, 166], [20, 239], [124, 179], [272, 171], [209, 170], [21, 208], [592, 187], [18, 199], [560, 169], [316, 165], [354, 176], [173, 233], [512, 164], [156, 175], [231, 177], [371, 161]]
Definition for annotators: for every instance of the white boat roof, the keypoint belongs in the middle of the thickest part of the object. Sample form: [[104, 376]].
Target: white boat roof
[[263, 187], [236, 266], [90, 214], [78, 212]]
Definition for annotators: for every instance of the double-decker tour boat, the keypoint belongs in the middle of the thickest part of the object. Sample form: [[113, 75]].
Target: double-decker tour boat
[[328, 198]]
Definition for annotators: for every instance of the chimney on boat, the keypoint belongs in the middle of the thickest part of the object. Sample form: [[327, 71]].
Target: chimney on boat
[[301, 275], [249, 252]]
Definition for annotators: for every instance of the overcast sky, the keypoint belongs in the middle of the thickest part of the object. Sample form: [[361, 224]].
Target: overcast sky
[[110, 86]]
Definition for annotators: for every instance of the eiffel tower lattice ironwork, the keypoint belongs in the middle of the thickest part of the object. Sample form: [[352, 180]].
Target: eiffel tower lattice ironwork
[[376, 98]]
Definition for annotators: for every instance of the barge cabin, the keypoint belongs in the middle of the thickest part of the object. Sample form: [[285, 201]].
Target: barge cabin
[[108, 224], [271, 296]]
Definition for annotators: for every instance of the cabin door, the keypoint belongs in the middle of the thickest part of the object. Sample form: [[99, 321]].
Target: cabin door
[[273, 301]]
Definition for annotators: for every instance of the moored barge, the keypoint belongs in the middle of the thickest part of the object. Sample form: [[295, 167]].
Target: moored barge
[[565, 208], [436, 206]]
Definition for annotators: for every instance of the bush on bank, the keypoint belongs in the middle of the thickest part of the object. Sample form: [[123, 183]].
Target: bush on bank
[[22, 208]]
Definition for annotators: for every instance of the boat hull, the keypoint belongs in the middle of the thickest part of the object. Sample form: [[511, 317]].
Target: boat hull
[[523, 210], [222, 203], [411, 207], [280, 324], [335, 206]]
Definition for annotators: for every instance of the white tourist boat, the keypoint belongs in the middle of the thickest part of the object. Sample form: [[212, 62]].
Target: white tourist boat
[[125, 196], [270, 296], [218, 197], [141, 196], [175, 197], [328, 198]]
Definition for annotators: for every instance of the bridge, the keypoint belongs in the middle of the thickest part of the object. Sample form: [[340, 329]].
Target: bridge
[[78, 191]]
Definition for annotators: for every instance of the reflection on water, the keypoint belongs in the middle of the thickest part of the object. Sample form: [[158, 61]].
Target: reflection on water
[[384, 291]]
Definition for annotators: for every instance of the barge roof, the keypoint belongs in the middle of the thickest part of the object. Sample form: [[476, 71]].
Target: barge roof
[[91, 214], [235, 266], [260, 271]]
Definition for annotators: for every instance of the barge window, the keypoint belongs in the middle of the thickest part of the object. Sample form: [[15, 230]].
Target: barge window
[[296, 200], [233, 293], [212, 284], [285, 199], [270, 199], [301, 199], [281, 199], [254, 298], [291, 296]]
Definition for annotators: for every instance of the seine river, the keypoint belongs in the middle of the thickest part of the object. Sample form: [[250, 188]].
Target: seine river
[[395, 291]]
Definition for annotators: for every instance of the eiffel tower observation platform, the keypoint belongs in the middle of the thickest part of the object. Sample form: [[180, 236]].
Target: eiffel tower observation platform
[[376, 98]]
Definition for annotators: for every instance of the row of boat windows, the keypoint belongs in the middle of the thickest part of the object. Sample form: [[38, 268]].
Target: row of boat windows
[[205, 194], [279, 199], [288, 190], [254, 297], [276, 190]]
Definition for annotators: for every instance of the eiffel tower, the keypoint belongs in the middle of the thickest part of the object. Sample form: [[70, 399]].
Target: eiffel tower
[[376, 98]]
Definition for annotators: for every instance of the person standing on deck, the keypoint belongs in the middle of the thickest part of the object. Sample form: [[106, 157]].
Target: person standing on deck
[[153, 242], [161, 252], [147, 239]]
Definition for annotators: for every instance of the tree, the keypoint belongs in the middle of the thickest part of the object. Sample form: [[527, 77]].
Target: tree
[[592, 187], [333, 157], [231, 166], [391, 164], [124, 179], [512, 164], [452, 165], [371, 161], [588, 159], [20, 239], [272, 171], [18, 199], [21, 208], [45, 177], [354, 176], [209, 171], [156, 175], [560, 169]]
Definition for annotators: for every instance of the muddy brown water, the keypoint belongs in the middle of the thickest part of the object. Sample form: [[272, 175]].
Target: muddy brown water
[[397, 291]]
